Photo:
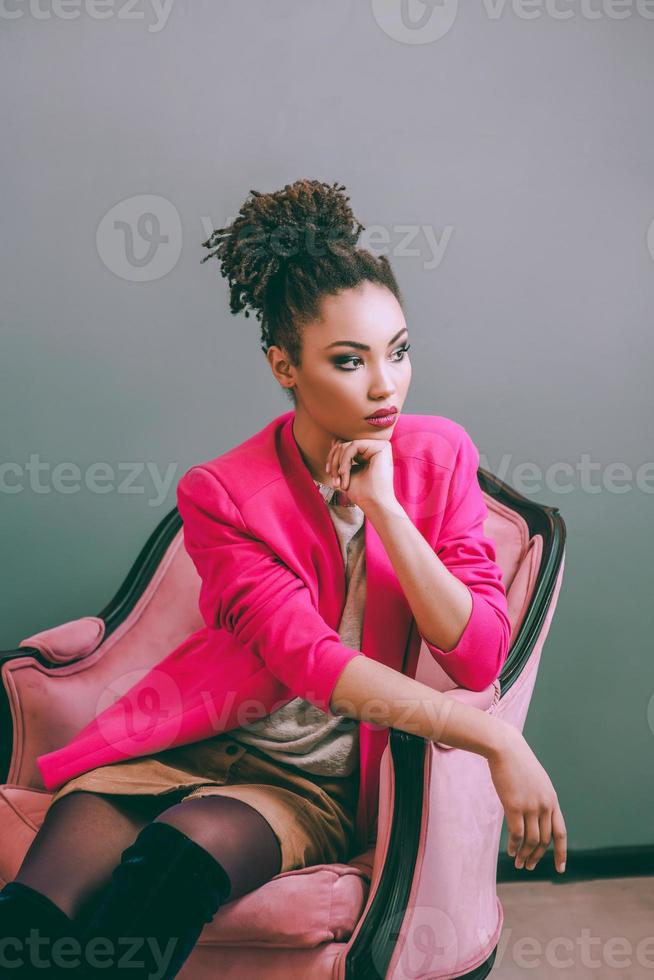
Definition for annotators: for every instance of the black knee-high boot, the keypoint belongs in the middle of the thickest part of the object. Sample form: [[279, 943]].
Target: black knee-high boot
[[30, 926], [163, 892]]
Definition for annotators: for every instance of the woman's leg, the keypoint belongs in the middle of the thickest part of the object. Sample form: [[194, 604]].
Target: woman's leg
[[190, 860], [234, 833], [68, 863], [79, 844]]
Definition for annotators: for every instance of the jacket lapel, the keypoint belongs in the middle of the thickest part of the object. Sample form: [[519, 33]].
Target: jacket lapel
[[316, 547]]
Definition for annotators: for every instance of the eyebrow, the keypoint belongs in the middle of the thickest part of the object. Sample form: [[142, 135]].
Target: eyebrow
[[353, 343]]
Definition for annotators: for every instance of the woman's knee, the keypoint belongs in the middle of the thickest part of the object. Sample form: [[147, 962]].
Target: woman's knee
[[234, 833], [78, 845]]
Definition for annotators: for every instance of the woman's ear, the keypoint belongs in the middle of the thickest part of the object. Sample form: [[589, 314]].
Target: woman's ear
[[281, 366]]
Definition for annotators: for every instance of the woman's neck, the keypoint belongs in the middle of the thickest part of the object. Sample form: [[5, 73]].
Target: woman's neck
[[314, 446]]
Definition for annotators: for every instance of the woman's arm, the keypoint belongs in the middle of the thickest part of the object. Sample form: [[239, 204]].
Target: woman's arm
[[455, 588], [373, 692], [423, 577]]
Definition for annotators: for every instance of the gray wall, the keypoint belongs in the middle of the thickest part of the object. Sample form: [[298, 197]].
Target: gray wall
[[523, 145]]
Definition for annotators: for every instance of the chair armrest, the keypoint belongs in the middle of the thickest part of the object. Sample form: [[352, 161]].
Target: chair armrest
[[68, 641], [454, 910], [49, 690], [433, 884], [22, 812]]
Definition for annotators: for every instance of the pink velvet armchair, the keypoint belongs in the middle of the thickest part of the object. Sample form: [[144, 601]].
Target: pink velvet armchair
[[422, 901]]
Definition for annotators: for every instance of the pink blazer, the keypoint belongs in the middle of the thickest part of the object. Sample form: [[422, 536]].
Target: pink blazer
[[273, 589]]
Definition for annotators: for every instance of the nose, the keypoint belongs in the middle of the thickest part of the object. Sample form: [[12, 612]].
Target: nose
[[381, 385]]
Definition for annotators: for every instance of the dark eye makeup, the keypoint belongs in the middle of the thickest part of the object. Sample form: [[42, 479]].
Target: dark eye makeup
[[340, 361]]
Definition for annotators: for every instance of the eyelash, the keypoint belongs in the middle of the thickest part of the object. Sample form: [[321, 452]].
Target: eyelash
[[353, 357]]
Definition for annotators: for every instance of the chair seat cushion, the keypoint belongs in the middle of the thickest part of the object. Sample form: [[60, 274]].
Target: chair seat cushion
[[296, 909]]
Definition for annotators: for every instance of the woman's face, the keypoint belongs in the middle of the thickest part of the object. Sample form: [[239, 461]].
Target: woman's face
[[354, 362]]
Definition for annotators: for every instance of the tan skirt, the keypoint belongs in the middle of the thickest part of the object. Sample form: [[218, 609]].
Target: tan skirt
[[312, 816]]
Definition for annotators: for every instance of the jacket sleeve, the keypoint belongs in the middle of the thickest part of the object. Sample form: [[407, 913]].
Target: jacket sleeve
[[483, 646], [249, 591]]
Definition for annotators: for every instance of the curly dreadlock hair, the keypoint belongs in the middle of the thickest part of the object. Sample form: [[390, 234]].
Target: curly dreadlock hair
[[288, 249]]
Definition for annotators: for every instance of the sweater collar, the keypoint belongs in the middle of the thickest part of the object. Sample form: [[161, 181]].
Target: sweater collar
[[334, 496]]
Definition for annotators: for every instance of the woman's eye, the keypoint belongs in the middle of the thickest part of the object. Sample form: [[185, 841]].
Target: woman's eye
[[341, 361]]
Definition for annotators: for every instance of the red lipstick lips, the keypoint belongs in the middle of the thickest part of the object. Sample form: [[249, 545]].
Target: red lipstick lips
[[383, 417], [391, 410]]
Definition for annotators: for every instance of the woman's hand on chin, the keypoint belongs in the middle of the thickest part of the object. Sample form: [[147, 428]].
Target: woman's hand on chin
[[363, 469]]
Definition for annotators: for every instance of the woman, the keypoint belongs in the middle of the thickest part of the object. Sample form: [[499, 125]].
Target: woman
[[329, 546]]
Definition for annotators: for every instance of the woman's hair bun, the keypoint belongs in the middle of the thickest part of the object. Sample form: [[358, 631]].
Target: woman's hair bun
[[304, 222]]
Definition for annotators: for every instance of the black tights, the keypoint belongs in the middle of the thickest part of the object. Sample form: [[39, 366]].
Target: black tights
[[84, 834]]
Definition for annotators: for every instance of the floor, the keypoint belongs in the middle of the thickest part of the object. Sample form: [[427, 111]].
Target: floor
[[598, 929]]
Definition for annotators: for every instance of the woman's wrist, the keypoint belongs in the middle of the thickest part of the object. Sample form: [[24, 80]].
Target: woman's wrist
[[501, 736], [465, 726]]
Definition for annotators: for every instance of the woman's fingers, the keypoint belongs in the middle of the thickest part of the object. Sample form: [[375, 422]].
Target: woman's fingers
[[341, 460], [530, 836], [530, 840], [545, 824], [333, 458], [560, 835], [516, 828], [335, 464], [347, 460]]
